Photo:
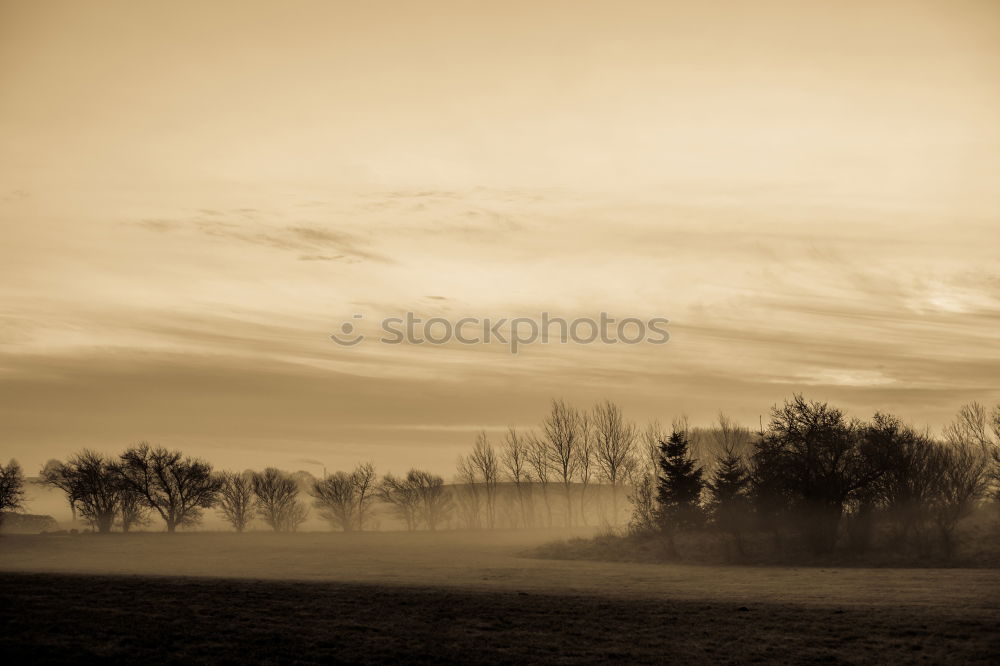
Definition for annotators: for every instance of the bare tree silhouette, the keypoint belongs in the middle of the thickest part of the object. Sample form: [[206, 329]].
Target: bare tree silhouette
[[403, 497], [541, 470], [974, 426], [963, 479], [562, 433], [486, 464], [614, 451], [469, 491], [93, 485], [419, 497], [133, 510], [435, 502], [514, 458], [236, 499], [277, 502], [11, 488], [176, 487], [365, 481], [910, 478], [337, 500], [585, 461]]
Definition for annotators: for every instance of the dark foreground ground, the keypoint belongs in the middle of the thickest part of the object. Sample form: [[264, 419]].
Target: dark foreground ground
[[74, 618], [258, 597]]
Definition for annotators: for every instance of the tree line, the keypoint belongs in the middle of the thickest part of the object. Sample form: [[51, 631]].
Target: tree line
[[811, 473], [816, 475], [146, 482], [573, 469]]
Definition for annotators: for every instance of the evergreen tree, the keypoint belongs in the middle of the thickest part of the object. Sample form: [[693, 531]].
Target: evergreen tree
[[679, 487], [729, 501]]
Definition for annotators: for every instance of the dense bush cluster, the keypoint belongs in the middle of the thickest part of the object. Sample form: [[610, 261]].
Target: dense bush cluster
[[814, 474]]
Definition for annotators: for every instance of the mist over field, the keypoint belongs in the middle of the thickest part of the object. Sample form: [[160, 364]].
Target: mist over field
[[577, 541], [541, 331], [471, 597]]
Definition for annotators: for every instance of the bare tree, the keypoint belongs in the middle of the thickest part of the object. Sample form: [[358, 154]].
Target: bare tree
[[971, 426], [514, 458], [133, 511], [236, 499], [995, 422], [963, 480], [585, 461], [364, 479], [176, 487], [93, 485], [337, 500], [11, 488], [484, 460], [277, 500], [642, 477], [541, 469], [469, 496], [434, 499], [345, 499], [995, 452], [562, 433], [643, 499], [974, 426], [731, 438], [694, 436], [614, 448], [403, 497], [911, 471], [653, 434]]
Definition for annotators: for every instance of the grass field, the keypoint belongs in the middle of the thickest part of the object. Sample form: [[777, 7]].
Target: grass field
[[465, 597]]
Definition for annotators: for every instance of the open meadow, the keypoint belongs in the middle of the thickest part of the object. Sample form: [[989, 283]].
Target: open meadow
[[466, 596]]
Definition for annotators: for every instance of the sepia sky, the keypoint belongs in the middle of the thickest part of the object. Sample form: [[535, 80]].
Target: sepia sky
[[194, 195]]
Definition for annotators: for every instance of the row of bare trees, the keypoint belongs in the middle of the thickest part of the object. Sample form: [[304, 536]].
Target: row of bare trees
[[551, 474], [124, 492]]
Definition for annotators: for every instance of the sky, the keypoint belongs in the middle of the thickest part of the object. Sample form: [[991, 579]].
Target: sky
[[194, 196]]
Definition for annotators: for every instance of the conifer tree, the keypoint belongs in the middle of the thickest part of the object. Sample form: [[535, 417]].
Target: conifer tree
[[729, 503], [679, 486]]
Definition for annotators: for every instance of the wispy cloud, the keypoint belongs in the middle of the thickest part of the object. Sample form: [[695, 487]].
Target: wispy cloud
[[248, 225]]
